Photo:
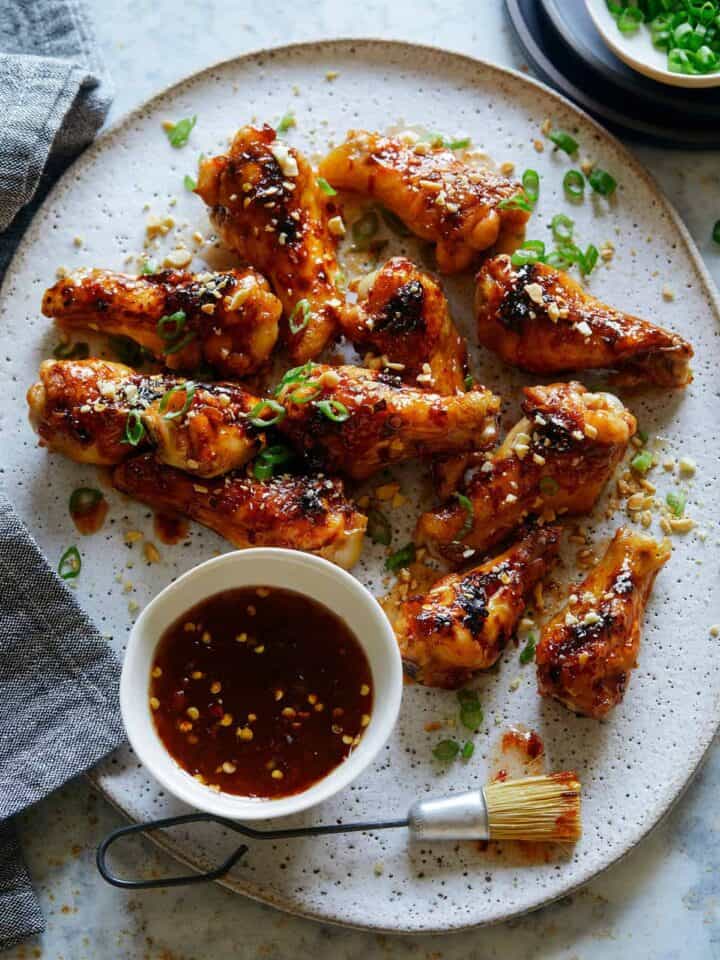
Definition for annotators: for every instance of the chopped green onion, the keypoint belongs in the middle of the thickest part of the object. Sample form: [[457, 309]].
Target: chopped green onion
[[307, 391], [364, 229], [334, 410], [401, 558], [643, 436], [147, 268], [531, 185], [563, 141], [467, 505], [171, 326], [516, 202], [326, 188], [277, 408], [287, 121], [179, 133], [180, 344], [716, 232], [134, 428], [189, 182], [562, 228], [266, 461], [302, 307], [630, 19], [462, 144], [602, 182], [471, 714], [72, 351], [394, 223], [531, 251], [83, 500], [469, 382], [548, 486], [528, 651], [574, 184], [676, 501], [378, 528], [589, 260], [468, 750], [70, 564], [642, 461], [446, 751], [295, 375], [560, 259], [188, 388]]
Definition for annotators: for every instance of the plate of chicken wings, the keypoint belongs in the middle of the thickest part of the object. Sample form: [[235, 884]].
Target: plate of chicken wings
[[422, 317]]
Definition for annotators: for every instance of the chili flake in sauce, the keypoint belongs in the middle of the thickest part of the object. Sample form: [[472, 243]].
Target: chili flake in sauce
[[260, 691]]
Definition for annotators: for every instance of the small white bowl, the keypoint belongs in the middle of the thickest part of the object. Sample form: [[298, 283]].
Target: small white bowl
[[304, 573], [638, 52]]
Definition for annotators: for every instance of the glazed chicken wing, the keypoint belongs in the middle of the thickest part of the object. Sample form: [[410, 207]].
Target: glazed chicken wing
[[464, 621], [228, 319], [439, 197], [94, 411], [355, 421], [586, 652], [557, 459], [541, 320], [403, 316], [266, 205], [299, 513]]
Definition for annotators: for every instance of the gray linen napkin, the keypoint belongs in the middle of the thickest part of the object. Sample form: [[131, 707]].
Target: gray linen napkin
[[59, 709]]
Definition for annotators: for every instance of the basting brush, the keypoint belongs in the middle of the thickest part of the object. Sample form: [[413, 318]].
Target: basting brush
[[543, 808]]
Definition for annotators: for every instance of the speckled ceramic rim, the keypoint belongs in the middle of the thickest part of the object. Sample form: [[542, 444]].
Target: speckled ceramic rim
[[262, 567], [335, 48]]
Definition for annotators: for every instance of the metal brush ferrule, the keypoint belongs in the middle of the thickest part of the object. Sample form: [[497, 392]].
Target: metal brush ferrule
[[461, 817]]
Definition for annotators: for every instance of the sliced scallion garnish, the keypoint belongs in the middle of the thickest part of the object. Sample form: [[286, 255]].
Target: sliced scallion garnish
[[642, 461], [677, 501], [467, 505], [562, 228], [326, 188], [574, 184], [401, 558], [531, 185], [286, 122], [134, 428], [563, 141], [189, 182], [300, 316], [602, 182], [446, 751], [70, 564], [517, 202], [188, 388], [255, 418], [333, 409], [266, 461], [528, 651], [179, 133], [170, 326], [471, 713], [378, 527]]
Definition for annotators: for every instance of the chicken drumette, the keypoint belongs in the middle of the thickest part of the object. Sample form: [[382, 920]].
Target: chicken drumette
[[557, 459], [94, 411], [266, 205], [586, 652], [404, 317], [296, 512], [228, 319], [464, 621], [355, 421], [540, 319], [459, 207]]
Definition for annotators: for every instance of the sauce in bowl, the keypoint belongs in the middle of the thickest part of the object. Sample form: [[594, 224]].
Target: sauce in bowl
[[260, 691]]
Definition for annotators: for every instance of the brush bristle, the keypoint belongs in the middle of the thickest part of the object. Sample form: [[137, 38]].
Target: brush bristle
[[535, 808]]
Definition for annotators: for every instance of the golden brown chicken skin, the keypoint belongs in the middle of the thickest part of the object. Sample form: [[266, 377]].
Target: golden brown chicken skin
[[266, 206], [404, 317], [299, 513], [464, 621], [540, 319], [586, 652], [355, 421], [94, 411], [228, 319], [438, 196], [556, 460]]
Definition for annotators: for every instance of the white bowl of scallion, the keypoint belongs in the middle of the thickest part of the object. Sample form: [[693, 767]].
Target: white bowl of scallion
[[672, 41]]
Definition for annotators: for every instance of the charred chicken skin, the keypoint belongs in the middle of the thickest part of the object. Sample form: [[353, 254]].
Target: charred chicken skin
[[266, 206], [94, 411], [355, 421], [464, 621], [586, 652], [541, 320], [439, 197], [300, 513], [557, 459], [228, 319], [404, 317]]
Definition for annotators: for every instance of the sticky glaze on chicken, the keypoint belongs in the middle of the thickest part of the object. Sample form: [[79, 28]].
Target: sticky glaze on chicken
[[541, 320], [464, 621], [94, 411], [403, 316], [299, 513], [355, 421], [437, 195], [266, 206], [228, 319], [557, 459], [586, 652]]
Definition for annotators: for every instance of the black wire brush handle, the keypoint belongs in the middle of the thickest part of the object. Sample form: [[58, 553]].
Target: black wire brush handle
[[217, 872]]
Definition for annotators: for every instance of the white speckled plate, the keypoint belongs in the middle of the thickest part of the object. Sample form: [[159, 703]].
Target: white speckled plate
[[633, 765]]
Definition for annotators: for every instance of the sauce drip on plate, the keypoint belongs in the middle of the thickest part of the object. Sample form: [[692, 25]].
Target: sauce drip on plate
[[260, 691]]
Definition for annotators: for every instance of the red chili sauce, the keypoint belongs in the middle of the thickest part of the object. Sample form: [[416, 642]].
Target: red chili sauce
[[260, 691]]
